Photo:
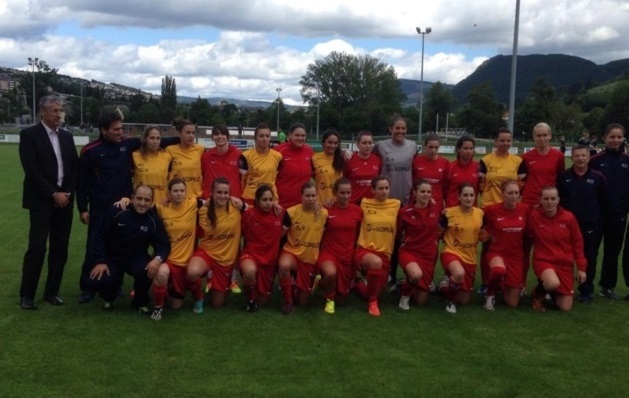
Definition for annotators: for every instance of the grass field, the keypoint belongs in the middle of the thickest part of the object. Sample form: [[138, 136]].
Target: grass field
[[80, 351]]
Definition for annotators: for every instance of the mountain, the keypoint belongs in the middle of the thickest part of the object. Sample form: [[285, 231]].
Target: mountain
[[410, 88]]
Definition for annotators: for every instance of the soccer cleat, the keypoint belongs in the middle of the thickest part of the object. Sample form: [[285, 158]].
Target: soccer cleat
[[373, 308], [235, 288], [585, 298], [404, 303], [482, 290], [315, 285], [144, 310], [288, 309], [156, 315], [490, 302], [432, 289], [329, 306], [252, 306], [108, 306], [197, 307], [523, 292], [609, 293], [537, 301], [450, 307], [444, 284], [86, 296]]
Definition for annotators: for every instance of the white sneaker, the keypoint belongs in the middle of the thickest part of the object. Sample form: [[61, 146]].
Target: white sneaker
[[404, 303], [490, 302], [450, 307], [444, 283]]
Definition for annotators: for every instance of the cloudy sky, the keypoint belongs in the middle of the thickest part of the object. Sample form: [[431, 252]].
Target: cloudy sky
[[247, 48]]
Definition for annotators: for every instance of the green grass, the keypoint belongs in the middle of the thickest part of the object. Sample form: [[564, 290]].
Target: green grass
[[78, 350]]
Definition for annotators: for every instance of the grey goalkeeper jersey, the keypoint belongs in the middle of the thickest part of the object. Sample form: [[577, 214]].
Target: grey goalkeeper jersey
[[397, 166]]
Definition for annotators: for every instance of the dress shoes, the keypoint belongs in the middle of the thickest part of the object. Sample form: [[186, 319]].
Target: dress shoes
[[27, 304], [54, 300]]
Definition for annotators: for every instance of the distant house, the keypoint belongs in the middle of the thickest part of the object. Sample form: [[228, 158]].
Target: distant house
[[7, 82]]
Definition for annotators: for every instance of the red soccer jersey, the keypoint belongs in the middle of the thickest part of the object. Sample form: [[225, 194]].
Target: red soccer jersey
[[341, 231], [295, 170], [435, 172], [214, 164], [541, 171], [262, 232], [360, 172], [556, 240], [420, 229], [506, 227], [458, 174]]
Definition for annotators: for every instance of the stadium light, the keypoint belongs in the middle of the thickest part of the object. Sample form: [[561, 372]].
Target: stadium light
[[32, 62], [421, 84]]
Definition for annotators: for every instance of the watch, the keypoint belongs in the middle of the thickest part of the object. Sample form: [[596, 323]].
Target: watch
[[159, 258]]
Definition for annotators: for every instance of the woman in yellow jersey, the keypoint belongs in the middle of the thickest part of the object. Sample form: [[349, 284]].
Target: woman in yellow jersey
[[304, 224], [462, 231], [151, 164], [180, 220], [259, 165], [376, 240], [327, 166], [219, 224], [186, 163]]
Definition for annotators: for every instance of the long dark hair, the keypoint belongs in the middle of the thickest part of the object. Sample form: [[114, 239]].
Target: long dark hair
[[338, 163], [211, 211], [144, 151]]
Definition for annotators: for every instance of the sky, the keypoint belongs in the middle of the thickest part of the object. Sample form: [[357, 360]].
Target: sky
[[247, 49]]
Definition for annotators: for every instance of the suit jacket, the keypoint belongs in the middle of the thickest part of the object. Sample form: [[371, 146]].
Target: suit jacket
[[40, 166]]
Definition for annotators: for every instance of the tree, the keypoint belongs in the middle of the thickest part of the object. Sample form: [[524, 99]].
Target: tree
[[45, 80], [617, 111], [482, 115], [169, 93], [440, 101], [361, 90], [538, 107]]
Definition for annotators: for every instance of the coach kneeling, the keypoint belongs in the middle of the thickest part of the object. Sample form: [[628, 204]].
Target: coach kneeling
[[121, 245]]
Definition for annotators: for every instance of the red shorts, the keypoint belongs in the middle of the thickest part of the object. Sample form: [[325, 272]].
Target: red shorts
[[265, 275], [564, 273], [427, 266], [305, 273], [176, 280], [221, 275], [386, 261], [470, 270], [345, 271], [515, 270]]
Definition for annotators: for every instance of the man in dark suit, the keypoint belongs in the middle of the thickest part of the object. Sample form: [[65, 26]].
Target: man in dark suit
[[50, 164]]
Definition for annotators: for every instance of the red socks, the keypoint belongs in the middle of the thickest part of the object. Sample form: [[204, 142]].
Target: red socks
[[408, 289], [159, 295], [286, 284], [496, 275], [373, 283]]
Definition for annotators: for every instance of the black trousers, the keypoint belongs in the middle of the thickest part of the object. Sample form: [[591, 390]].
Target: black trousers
[[88, 262], [135, 266], [614, 225], [592, 236], [50, 225]]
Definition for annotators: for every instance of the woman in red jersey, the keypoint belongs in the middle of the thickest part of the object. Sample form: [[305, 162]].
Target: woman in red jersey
[[296, 167], [179, 215], [327, 166], [261, 230], [557, 246], [220, 229], [362, 167], [462, 225], [221, 161], [259, 165], [337, 246], [304, 224], [186, 163], [505, 222], [418, 224], [151, 164], [463, 170], [376, 240], [432, 168]]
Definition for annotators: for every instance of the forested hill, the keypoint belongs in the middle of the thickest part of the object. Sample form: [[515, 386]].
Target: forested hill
[[564, 72]]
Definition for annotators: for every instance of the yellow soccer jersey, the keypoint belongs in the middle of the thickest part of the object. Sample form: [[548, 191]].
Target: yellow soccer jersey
[[223, 241], [152, 171], [186, 164], [496, 170], [325, 176], [180, 222], [461, 234], [304, 233], [379, 224], [260, 169]]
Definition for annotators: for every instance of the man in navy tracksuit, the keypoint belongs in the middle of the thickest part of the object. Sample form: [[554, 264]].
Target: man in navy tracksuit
[[105, 173], [614, 165], [582, 191], [120, 245]]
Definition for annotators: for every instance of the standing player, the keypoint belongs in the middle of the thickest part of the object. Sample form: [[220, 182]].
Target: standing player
[[582, 192], [259, 165], [327, 166], [376, 241], [419, 226], [304, 224], [337, 246], [186, 163], [262, 230], [464, 170], [296, 167], [221, 161], [151, 164], [362, 167], [462, 225], [432, 168], [557, 246]]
